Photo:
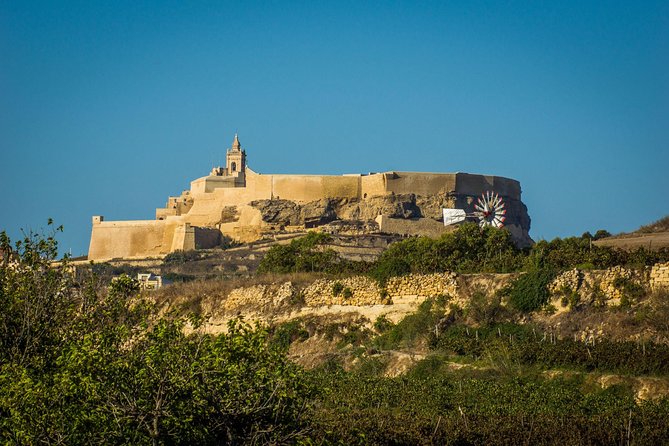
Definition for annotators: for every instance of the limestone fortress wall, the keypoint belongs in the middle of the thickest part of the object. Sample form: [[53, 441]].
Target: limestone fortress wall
[[237, 202]]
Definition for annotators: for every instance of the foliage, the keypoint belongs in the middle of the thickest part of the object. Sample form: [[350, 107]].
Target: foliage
[[631, 291], [601, 233], [301, 255], [382, 324], [359, 408], [532, 347], [529, 292], [413, 328], [337, 288], [289, 332], [178, 277], [468, 249], [570, 298], [179, 257], [484, 309], [91, 362], [86, 364]]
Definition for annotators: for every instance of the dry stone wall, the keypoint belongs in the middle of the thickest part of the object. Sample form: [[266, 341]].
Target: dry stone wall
[[659, 276], [423, 285], [364, 291], [605, 287], [259, 297]]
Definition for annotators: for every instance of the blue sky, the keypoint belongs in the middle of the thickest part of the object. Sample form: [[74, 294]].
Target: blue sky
[[109, 107]]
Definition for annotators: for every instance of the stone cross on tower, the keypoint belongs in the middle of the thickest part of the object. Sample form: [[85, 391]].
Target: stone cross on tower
[[235, 159]]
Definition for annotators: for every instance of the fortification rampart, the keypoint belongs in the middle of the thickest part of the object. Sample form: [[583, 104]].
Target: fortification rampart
[[244, 205], [140, 238]]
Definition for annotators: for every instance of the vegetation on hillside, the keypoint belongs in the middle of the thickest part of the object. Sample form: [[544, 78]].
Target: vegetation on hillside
[[469, 249], [485, 380], [86, 362], [661, 225], [81, 363]]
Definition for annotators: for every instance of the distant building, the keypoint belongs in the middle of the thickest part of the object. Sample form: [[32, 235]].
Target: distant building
[[149, 281]]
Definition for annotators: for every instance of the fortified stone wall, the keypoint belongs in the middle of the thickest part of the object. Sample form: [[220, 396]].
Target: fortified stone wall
[[224, 201], [420, 226], [124, 239]]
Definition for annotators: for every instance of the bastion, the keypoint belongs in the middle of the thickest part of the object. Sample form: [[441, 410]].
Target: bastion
[[234, 201]]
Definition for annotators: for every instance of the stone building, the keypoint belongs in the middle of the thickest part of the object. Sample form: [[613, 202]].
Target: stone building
[[236, 202]]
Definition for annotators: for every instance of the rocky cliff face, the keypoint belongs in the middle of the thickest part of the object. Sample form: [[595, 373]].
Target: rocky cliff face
[[397, 206]]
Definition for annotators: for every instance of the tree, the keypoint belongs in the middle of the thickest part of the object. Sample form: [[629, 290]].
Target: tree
[[82, 363]]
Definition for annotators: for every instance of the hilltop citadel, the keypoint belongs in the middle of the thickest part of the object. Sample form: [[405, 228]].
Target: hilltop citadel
[[236, 202]]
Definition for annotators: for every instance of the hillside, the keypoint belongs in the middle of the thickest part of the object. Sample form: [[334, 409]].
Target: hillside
[[464, 339], [653, 236]]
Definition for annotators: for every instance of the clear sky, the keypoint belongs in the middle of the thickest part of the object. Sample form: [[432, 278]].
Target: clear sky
[[109, 107]]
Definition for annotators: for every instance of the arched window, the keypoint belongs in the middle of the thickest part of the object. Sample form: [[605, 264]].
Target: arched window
[[233, 166]]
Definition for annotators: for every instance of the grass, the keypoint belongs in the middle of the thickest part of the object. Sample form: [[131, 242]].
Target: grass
[[660, 225]]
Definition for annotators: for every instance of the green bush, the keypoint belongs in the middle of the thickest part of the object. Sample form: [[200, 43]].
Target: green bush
[[301, 255], [431, 408], [100, 367], [529, 292], [180, 257], [289, 332], [484, 309], [631, 291], [533, 347], [468, 249], [414, 328], [337, 288], [347, 293], [382, 324]]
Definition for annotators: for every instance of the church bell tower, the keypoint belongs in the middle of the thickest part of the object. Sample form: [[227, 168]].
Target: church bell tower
[[235, 158]]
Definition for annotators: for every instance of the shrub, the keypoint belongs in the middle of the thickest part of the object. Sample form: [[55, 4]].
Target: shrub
[[529, 292], [483, 309], [602, 233], [631, 291], [347, 293], [289, 332], [337, 288], [382, 324], [101, 367], [414, 327], [179, 257], [301, 255]]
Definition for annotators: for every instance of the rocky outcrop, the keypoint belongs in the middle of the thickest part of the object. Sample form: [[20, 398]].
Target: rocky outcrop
[[394, 206], [279, 212], [422, 214]]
